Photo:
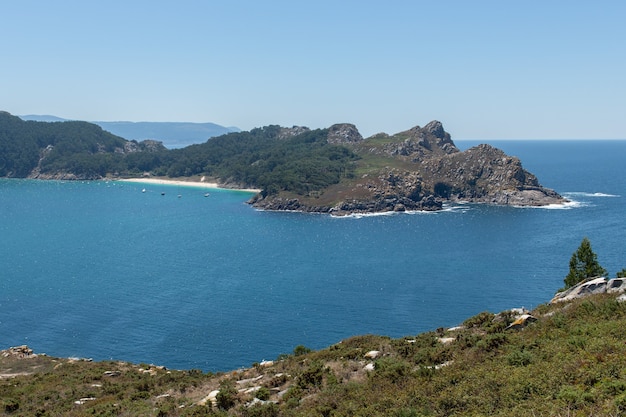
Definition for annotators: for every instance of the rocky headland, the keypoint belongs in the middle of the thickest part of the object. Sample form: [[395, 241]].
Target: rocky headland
[[333, 170], [418, 169]]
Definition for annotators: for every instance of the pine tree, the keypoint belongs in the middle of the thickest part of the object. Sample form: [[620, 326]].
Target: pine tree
[[583, 264]]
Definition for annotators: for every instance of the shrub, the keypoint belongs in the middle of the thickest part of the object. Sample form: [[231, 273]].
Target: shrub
[[391, 369], [519, 358], [492, 341], [575, 397], [313, 376], [263, 394], [11, 405], [227, 394], [301, 350], [262, 410], [620, 402]]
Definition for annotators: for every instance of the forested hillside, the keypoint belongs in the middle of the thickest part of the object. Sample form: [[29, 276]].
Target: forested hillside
[[29, 148], [271, 158]]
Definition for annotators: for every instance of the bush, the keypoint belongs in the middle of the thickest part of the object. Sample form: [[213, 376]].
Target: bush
[[11, 405], [301, 350], [575, 397], [492, 341], [263, 394], [227, 395], [262, 410], [313, 376], [391, 369], [519, 358]]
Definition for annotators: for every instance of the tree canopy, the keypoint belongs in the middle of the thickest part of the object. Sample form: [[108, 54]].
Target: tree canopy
[[272, 158], [583, 264]]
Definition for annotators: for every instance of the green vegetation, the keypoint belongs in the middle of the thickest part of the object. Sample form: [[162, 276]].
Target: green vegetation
[[77, 147], [583, 264], [571, 361], [262, 158]]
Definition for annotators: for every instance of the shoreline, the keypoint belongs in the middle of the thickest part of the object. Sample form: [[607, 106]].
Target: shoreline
[[197, 184]]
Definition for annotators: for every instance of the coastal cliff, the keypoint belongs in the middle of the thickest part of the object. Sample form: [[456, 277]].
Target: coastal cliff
[[418, 169]]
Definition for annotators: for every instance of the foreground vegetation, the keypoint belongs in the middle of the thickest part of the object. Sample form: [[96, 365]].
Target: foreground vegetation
[[570, 362]]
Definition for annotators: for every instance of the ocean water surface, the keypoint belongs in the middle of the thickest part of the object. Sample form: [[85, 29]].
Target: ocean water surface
[[104, 270]]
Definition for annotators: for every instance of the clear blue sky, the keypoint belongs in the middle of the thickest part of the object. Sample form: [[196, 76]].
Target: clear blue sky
[[485, 69]]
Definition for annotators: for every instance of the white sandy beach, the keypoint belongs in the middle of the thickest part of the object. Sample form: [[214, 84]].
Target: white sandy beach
[[199, 184]]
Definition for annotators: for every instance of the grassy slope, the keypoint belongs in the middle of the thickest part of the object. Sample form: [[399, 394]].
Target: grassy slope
[[572, 361]]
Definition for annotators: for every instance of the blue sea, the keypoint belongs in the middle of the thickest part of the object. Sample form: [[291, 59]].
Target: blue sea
[[106, 271]]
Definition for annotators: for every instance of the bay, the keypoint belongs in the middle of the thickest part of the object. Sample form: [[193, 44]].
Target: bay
[[104, 270]]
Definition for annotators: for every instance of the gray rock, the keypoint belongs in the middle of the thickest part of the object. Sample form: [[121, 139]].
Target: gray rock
[[598, 285], [616, 285], [344, 133]]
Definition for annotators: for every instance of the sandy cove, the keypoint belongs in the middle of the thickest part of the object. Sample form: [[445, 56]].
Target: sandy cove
[[199, 184]]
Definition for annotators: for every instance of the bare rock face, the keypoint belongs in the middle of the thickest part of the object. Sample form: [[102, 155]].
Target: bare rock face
[[485, 174], [591, 286], [147, 145], [422, 143], [289, 132], [343, 133]]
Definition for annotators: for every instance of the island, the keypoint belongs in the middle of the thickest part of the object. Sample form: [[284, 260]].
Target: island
[[333, 170]]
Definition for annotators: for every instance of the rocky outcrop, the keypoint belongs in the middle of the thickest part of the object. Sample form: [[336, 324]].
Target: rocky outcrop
[[591, 286], [278, 203], [387, 203], [417, 144], [63, 176], [19, 352], [289, 132], [482, 174], [343, 133], [485, 174], [380, 203], [147, 145]]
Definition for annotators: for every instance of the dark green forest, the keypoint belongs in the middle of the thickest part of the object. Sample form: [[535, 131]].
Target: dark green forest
[[260, 158], [74, 147]]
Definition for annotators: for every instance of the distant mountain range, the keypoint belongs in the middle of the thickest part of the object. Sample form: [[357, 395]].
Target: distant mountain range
[[172, 134]]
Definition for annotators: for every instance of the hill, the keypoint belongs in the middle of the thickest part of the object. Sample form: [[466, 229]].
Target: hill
[[566, 358], [172, 134], [63, 150]]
